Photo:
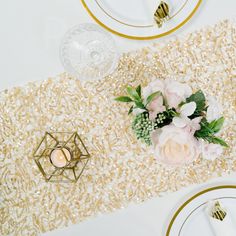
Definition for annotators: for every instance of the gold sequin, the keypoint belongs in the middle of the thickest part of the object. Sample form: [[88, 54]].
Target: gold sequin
[[121, 170]]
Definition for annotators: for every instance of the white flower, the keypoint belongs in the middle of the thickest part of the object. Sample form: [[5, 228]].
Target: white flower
[[185, 111], [174, 146], [184, 122], [214, 109], [210, 151]]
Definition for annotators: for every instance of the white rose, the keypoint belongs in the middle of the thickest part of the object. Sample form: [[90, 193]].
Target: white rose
[[214, 109], [211, 151], [175, 146]]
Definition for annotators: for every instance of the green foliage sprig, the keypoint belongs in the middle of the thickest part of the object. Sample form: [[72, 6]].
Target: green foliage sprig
[[142, 125], [135, 96], [208, 131]]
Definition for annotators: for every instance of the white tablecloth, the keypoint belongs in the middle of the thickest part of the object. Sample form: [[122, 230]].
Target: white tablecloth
[[30, 34]]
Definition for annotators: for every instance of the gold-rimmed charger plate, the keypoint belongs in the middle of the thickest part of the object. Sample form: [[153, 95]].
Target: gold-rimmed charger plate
[[190, 218], [134, 18]]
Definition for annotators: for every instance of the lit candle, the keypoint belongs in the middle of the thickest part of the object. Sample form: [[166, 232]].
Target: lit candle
[[60, 157]]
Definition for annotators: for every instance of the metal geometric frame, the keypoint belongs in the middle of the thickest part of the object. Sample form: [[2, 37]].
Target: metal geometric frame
[[59, 140]]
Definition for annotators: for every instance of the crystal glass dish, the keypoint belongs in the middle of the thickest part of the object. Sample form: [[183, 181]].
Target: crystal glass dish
[[88, 52]]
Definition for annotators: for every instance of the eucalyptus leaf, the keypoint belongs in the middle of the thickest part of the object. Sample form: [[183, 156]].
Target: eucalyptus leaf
[[123, 99]]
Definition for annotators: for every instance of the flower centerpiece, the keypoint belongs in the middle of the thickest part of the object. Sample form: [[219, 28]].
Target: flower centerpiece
[[179, 124]]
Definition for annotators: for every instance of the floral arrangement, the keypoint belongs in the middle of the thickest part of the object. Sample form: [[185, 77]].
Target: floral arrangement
[[179, 124]]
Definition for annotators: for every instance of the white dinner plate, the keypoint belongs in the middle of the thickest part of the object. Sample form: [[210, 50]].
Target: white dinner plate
[[134, 18], [191, 219]]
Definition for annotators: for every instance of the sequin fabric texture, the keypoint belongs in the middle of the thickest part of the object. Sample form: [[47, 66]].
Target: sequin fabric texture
[[121, 169]]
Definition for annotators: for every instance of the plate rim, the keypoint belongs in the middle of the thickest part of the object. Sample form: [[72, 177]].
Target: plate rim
[[142, 37], [171, 222]]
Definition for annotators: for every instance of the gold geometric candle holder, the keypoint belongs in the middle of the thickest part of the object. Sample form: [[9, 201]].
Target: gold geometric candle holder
[[61, 156]]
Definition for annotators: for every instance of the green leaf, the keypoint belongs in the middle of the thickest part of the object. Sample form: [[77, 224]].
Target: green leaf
[[220, 141], [217, 140], [133, 93], [123, 99], [139, 105], [200, 100], [131, 110], [204, 131], [138, 90], [181, 104], [165, 103], [152, 96], [208, 129], [216, 125], [173, 113]]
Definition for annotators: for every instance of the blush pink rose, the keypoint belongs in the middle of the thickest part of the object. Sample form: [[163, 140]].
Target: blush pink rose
[[155, 107], [173, 91], [156, 85], [176, 92], [175, 146]]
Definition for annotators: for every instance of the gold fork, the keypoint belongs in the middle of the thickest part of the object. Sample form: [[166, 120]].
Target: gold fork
[[218, 212]]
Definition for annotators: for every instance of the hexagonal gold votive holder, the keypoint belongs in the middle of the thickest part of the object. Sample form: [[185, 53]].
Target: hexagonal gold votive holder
[[61, 156]]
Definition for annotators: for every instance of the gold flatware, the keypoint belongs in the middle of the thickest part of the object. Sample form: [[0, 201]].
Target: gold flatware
[[218, 212], [161, 14]]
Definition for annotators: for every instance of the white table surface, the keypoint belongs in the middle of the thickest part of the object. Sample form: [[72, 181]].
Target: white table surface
[[30, 34]]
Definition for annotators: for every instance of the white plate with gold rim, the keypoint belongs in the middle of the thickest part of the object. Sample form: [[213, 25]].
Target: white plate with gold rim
[[135, 18], [191, 219]]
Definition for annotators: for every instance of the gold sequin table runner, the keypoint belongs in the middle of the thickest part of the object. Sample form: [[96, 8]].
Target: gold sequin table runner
[[121, 170]]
